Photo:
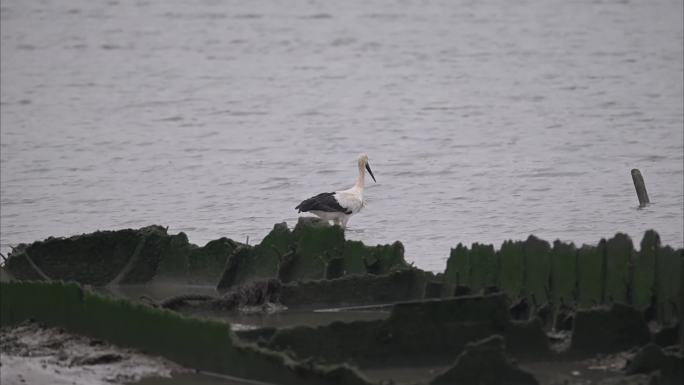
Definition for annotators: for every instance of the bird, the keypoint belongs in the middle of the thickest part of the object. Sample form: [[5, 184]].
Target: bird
[[339, 206]]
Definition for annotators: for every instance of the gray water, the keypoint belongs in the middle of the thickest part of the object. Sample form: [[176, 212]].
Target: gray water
[[483, 120]]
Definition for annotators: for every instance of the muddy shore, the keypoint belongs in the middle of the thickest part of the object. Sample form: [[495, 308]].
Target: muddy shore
[[307, 306]]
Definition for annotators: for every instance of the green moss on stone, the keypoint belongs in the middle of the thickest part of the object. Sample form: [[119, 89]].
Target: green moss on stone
[[563, 271], [354, 255], [512, 262], [669, 281], [458, 266], [192, 342], [94, 259], [401, 285], [174, 261], [644, 269], [590, 275], [538, 267], [417, 332], [316, 245], [609, 329], [619, 254], [384, 259], [484, 266]]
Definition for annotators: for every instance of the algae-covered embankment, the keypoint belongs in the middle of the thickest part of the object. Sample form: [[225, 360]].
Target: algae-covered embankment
[[346, 312]]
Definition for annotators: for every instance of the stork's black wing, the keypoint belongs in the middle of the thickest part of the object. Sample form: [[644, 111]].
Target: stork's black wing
[[322, 202]]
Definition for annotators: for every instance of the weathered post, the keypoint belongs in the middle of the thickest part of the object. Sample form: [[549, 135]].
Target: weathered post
[[640, 187]]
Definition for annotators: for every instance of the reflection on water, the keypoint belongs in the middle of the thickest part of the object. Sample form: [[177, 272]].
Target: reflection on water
[[483, 120]]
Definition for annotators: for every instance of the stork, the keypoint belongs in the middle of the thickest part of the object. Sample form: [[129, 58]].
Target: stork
[[339, 206]]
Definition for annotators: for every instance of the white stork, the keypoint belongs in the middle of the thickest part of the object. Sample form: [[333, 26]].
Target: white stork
[[339, 206]]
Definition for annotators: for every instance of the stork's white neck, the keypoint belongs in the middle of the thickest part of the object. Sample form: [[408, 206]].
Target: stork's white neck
[[361, 180]]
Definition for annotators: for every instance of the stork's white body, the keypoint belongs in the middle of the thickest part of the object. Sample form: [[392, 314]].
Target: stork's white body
[[351, 199], [345, 202]]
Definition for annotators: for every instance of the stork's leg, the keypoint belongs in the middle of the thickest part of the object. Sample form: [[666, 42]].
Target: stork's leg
[[345, 219]]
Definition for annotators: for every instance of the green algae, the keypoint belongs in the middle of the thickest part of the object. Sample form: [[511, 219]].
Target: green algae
[[484, 362], [590, 275], [174, 262], [93, 259], [314, 250], [199, 343], [619, 256], [538, 267], [669, 281], [458, 266], [644, 269], [609, 329], [512, 263], [399, 285], [563, 271], [353, 257], [484, 267], [415, 331]]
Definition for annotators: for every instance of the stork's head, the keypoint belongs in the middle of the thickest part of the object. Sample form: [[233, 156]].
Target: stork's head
[[363, 163]]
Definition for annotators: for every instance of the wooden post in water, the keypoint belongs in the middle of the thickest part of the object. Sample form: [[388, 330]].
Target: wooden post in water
[[640, 187]]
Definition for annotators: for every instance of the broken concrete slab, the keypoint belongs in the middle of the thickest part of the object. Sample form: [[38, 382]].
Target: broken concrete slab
[[609, 329], [484, 363]]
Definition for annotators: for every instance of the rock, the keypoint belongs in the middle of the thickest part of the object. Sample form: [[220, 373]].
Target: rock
[[520, 310], [491, 309], [652, 357], [314, 250], [130, 256], [667, 336], [99, 359], [526, 339], [484, 363], [609, 330], [460, 290], [565, 316], [648, 359], [419, 331], [672, 369], [400, 285], [433, 290]]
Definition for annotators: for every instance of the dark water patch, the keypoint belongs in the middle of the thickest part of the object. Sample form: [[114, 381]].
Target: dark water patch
[[249, 16], [316, 16]]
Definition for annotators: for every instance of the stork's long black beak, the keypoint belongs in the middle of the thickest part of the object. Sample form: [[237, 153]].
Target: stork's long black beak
[[370, 172]]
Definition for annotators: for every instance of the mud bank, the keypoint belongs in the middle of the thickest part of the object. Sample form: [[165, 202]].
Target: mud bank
[[557, 275], [530, 303], [38, 355]]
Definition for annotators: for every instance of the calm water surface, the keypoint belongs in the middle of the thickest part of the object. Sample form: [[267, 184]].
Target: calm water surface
[[483, 120]]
